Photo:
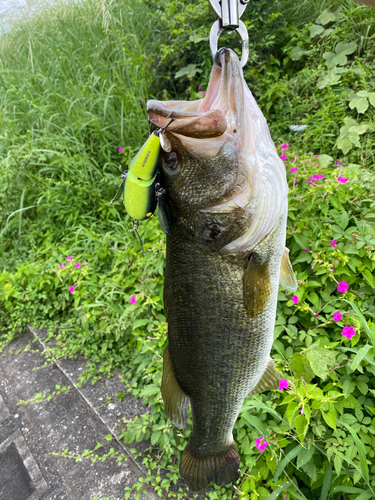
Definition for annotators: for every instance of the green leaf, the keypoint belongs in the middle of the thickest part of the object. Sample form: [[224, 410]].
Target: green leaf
[[369, 278], [285, 461], [305, 456], [301, 427], [300, 366], [297, 53], [320, 360], [345, 48], [109, 437], [344, 144], [325, 160], [338, 464], [254, 422], [310, 470], [344, 219], [361, 451], [330, 418], [328, 80], [326, 17], [327, 482], [361, 103], [350, 490], [290, 411], [359, 356], [155, 437], [316, 29], [190, 71]]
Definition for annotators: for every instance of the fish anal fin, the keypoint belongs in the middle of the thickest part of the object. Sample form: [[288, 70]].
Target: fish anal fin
[[257, 287], [176, 402], [268, 381], [287, 277], [200, 471]]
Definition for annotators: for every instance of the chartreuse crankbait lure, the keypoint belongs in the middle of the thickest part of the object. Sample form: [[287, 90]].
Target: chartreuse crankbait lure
[[140, 200]]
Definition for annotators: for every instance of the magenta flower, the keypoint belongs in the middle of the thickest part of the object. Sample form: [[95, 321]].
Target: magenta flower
[[133, 300], [337, 316], [334, 243], [163, 95], [292, 170], [343, 180], [62, 266], [338, 162], [199, 87], [318, 176], [71, 289], [343, 287], [348, 332], [283, 157], [283, 384], [294, 299], [284, 146], [77, 265], [203, 93], [69, 258], [260, 444], [120, 150]]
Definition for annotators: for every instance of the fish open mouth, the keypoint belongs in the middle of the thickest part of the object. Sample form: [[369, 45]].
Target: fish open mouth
[[229, 117], [219, 112]]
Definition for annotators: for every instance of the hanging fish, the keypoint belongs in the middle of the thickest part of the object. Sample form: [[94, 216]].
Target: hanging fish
[[225, 203]]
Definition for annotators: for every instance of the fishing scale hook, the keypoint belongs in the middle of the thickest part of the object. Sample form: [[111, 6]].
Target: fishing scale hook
[[229, 12]]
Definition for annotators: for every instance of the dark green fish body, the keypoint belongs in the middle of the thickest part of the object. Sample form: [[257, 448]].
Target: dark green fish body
[[224, 254]]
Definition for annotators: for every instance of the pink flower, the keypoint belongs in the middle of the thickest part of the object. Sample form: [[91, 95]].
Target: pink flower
[[343, 180], [334, 243], [163, 95], [283, 157], [348, 332], [203, 93], [133, 300], [77, 265], [294, 299], [120, 150], [284, 146], [71, 289], [338, 162], [199, 87], [62, 266], [318, 176], [343, 287], [69, 258], [294, 169], [260, 444], [283, 384], [337, 316]]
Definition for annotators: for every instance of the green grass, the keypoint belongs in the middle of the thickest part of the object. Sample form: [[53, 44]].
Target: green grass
[[74, 81]]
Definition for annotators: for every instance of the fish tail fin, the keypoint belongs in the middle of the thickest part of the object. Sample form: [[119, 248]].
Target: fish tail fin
[[200, 471]]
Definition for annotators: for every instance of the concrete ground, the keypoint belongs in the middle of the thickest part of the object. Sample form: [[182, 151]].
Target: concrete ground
[[29, 434]]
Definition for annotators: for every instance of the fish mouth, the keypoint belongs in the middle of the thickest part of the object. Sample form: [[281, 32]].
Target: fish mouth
[[219, 114]]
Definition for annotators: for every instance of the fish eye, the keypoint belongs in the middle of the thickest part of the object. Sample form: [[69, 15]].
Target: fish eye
[[170, 161]]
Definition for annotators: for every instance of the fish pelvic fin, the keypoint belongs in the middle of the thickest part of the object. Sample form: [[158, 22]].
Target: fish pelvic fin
[[268, 381], [176, 402], [257, 287], [287, 277], [200, 471]]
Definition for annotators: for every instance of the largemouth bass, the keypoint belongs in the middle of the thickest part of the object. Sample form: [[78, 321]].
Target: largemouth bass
[[225, 205]]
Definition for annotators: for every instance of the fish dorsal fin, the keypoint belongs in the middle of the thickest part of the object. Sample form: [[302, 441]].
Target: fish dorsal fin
[[176, 402], [257, 287], [268, 381], [287, 277]]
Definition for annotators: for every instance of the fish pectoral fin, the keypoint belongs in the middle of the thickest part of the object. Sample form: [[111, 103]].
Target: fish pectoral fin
[[257, 287], [287, 277], [176, 402], [268, 381]]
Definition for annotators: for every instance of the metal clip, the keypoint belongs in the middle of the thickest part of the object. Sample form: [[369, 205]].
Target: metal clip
[[229, 12]]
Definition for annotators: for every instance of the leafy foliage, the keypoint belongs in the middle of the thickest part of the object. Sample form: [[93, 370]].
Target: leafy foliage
[[69, 259]]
